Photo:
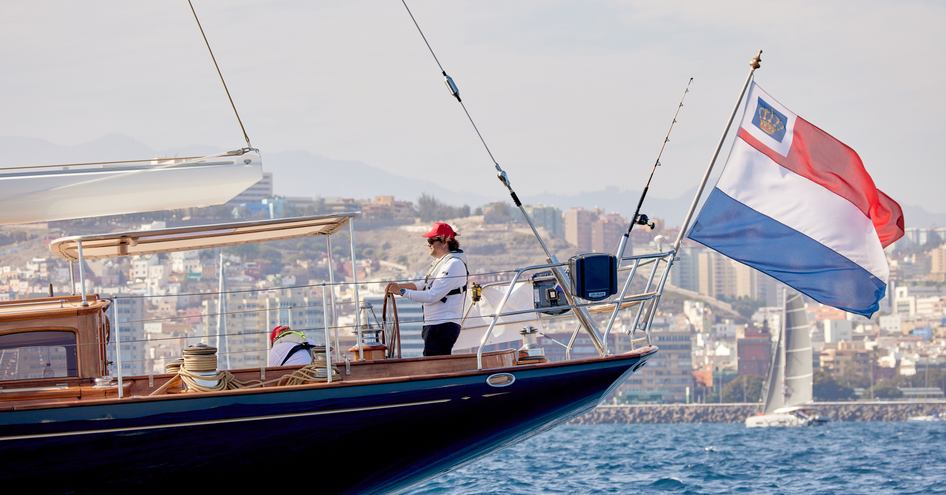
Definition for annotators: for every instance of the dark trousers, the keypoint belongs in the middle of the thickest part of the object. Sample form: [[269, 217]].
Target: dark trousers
[[439, 339]]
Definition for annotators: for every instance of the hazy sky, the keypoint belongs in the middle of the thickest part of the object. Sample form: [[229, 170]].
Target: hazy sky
[[571, 96]]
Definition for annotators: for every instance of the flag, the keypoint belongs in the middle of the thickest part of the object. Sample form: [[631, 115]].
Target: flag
[[797, 204]]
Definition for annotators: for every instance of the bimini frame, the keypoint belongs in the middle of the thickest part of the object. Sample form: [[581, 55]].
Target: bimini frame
[[78, 249]]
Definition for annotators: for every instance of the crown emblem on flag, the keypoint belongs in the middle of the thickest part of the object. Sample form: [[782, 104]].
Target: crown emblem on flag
[[769, 120]]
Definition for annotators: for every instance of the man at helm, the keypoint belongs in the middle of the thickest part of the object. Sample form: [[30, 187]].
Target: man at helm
[[443, 293], [288, 347]]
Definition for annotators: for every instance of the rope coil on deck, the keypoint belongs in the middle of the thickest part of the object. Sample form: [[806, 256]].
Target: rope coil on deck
[[197, 371]]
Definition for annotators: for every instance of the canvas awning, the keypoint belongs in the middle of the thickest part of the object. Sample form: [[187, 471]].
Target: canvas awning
[[197, 237]]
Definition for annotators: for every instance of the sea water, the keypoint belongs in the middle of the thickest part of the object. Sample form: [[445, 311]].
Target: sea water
[[838, 458]]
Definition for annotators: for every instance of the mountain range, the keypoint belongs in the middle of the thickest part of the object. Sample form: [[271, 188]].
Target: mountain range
[[302, 173]]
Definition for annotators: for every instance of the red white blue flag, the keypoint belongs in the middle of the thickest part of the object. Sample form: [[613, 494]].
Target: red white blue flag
[[798, 205]]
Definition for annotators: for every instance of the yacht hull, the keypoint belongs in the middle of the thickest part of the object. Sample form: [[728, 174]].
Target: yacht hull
[[783, 420], [352, 438]]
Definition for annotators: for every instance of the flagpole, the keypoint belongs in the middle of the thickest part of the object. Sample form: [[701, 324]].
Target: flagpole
[[754, 64]]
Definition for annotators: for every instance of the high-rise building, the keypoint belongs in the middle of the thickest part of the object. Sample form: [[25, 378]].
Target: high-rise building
[[717, 275], [685, 272], [753, 352], [549, 218], [129, 314], [938, 261], [606, 233], [578, 227], [668, 376]]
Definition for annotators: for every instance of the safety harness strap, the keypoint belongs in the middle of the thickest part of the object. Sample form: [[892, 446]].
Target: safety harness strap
[[454, 292], [298, 347]]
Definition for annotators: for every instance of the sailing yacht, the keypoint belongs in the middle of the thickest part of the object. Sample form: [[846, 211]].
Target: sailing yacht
[[788, 391]]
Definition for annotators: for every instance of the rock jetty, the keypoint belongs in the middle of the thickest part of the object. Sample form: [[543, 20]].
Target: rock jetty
[[737, 413]]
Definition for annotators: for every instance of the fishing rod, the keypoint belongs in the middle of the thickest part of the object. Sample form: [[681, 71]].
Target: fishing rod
[[581, 313], [640, 218]]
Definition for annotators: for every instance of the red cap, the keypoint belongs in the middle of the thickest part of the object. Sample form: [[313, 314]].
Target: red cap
[[441, 229], [275, 333]]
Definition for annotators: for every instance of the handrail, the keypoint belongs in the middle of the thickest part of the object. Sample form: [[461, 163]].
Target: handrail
[[618, 302], [646, 299], [614, 314], [646, 260]]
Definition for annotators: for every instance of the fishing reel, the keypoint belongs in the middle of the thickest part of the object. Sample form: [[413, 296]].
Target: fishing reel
[[643, 220]]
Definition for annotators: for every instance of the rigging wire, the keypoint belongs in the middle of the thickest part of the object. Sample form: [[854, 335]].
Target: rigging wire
[[455, 91], [246, 136], [558, 272]]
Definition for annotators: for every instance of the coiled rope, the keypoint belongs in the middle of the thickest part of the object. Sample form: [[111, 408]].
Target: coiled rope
[[197, 370]]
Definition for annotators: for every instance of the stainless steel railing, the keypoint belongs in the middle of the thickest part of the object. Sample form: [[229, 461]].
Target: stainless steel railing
[[647, 299]]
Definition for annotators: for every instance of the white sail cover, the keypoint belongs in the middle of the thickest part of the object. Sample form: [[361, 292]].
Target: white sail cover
[[47, 193], [791, 375]]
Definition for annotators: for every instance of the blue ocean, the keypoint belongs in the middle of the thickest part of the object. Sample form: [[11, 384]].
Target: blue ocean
[[839, 458]]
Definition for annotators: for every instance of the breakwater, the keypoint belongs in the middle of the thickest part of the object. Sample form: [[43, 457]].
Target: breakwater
[[737, 413]]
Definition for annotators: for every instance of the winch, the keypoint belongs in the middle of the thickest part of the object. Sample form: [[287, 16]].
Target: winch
[[530, 352]]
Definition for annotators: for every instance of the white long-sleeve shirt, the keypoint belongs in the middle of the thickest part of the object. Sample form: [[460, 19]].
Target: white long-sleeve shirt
[[446, 274]]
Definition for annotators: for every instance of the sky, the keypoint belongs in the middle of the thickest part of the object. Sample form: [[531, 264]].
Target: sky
[[571, 96]]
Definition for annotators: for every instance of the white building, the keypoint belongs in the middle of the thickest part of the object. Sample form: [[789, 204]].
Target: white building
[[890, 324], [837, 330], [186, 262], [141, 266]]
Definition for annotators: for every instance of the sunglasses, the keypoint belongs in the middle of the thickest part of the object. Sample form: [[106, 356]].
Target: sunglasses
[[431, 241]]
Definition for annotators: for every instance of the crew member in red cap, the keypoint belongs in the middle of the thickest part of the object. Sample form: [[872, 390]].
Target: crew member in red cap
[[443, 293], [288, 347]]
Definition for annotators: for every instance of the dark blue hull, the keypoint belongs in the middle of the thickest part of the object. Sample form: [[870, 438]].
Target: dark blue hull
[[350, 438]]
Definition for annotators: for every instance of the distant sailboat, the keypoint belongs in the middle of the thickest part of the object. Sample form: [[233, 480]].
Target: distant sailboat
[[789, 386]]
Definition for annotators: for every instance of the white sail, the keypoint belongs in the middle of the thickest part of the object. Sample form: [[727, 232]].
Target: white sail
[[47, 193], [789, 387], [775, 396], [790, 374], [798, 367]]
